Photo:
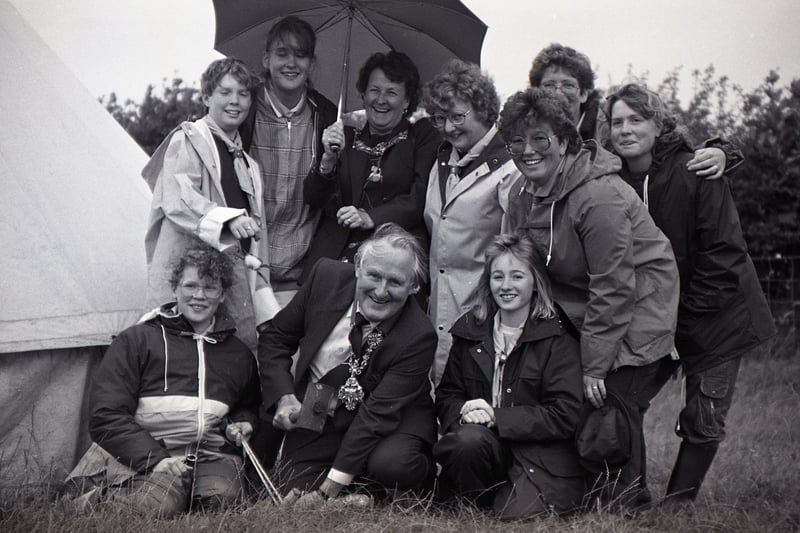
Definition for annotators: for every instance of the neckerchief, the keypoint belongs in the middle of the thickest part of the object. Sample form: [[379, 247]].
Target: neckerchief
[[457, 163], [239, 163], [505, 339]]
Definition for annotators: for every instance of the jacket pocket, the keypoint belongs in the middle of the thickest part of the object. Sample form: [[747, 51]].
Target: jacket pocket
[[649, 323], [701, 417]]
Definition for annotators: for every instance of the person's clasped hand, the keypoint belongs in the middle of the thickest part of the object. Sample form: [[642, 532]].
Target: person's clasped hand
[[477, 411], [333, 138], [243, 227], [594, 389], [287, 412], [352, 217], [708, 163], [175, 466], [238, 431]]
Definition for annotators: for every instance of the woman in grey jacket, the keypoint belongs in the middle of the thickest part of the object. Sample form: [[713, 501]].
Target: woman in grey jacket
[[612, 270]]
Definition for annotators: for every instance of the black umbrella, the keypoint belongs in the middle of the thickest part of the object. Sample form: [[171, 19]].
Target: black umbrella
[[348, 31]]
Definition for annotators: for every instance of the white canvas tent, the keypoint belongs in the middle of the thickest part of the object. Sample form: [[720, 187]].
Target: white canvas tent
[[72, 265]]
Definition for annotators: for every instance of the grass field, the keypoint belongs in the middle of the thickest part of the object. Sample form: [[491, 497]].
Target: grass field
[[754, 484]]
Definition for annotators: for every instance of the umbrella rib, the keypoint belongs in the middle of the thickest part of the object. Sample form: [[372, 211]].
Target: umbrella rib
[[394, 21], [399, 5], [370, 27], [299, 13]]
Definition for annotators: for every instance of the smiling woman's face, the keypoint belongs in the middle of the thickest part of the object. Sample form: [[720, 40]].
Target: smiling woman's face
[[385, 101], [633, 136], [198, 298], [541, 156]]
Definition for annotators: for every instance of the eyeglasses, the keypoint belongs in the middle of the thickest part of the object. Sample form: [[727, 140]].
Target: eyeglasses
[[566, 87], [190, 288], [539, 142], [456, 119]]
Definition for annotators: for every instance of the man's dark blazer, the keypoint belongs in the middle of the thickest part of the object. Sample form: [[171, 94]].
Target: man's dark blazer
[[395, 383]]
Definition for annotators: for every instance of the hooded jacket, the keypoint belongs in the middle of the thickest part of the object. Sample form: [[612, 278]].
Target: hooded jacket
[[162, 390], [188, 203], [723, 312], [612, 269]]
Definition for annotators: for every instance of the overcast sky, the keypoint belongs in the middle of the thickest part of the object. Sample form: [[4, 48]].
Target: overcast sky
[[123, 45]]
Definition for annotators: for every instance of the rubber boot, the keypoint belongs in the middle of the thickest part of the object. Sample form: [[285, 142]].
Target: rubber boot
[[690, 468]]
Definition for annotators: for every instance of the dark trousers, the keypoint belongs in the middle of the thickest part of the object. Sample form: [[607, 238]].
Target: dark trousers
[[399, 461], [636, 386], [709, 395], [477, 465], [473, 461]]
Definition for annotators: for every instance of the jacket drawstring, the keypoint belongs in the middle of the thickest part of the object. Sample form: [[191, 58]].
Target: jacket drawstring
[[209, 340], [166, 355], [550, 246], [646, 192]]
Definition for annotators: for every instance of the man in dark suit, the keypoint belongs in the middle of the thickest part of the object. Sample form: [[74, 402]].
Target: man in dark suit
[[359, 334]]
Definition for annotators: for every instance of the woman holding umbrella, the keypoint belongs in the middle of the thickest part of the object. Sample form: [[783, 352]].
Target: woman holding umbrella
[[375, 174]]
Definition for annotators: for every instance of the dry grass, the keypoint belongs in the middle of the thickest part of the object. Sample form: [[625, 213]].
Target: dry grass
[[752, 486]]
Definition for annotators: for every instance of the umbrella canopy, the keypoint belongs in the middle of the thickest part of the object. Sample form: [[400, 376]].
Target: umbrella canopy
[[431, 32]]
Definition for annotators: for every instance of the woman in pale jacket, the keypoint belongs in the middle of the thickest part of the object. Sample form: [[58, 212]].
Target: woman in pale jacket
[[205, 186], [613, 271], [467, 192]]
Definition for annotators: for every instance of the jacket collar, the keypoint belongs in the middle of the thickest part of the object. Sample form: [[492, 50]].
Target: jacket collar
[[493, 157], [176, 324], [469, 328]]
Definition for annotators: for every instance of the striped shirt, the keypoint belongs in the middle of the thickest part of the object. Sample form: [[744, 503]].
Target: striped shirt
[[283, 146]]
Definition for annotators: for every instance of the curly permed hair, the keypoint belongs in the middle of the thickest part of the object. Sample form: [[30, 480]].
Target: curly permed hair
[[209, 262], [463, 81], [566, 58], [533, 105]]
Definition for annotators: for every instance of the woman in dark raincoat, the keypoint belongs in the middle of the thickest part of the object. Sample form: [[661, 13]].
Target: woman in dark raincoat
[[722, 313], [510, 396]]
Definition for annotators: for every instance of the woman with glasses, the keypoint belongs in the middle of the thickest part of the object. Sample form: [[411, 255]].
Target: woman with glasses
[[612, 270], [375, 174], [467, 192], [559, 68], [723, 312], [171, 398], [206, 186]]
